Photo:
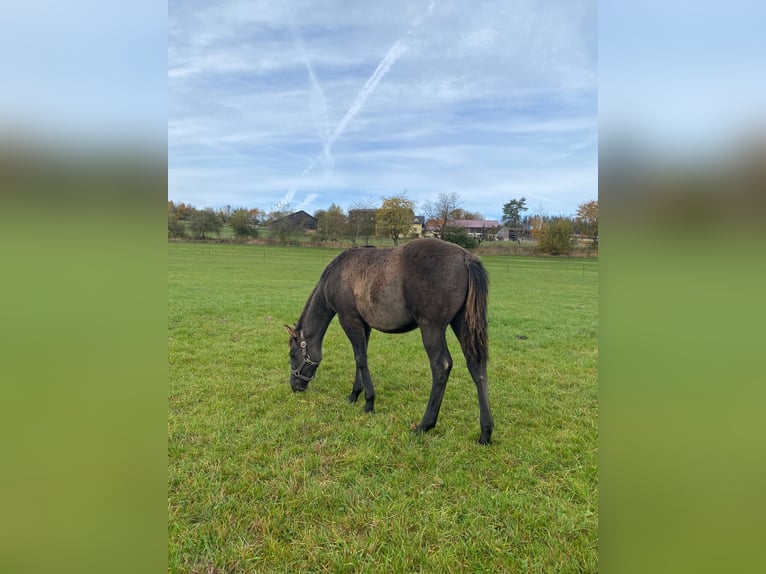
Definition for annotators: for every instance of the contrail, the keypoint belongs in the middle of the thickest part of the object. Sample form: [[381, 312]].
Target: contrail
[[394, 53], [319, 102], [390, 58], [322, 104]]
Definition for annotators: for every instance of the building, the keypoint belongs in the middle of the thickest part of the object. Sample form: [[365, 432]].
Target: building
[[297, 220], [476, 227], [418, 225]]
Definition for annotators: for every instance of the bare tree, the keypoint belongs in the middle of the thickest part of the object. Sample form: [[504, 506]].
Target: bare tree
[[443, 210]]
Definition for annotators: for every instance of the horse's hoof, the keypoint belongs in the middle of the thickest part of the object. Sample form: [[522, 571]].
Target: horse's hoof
[[484, 439], [369, 407], [352, 398], [420, 429]]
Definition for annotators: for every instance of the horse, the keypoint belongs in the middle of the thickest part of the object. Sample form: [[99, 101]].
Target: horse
[[427, 284]]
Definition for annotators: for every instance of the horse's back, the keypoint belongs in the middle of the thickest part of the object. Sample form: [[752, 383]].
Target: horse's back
[[397, 289], [435, 278]]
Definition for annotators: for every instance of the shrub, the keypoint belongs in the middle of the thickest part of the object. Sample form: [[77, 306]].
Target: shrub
[[460, 236], [243, 224], [555, 237]]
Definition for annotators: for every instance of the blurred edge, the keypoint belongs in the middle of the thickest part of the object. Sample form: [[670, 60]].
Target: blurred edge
[[682, 193], [682, 310], [84, 360], [83, 182]]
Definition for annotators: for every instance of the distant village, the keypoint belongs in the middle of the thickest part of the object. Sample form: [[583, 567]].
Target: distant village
[[395, 219], [419, 227]]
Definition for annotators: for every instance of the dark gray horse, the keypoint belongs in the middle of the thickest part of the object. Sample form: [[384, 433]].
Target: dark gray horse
[[427, 284]]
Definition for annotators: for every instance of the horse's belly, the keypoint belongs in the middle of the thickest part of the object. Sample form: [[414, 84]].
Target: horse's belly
[[384, 309], [391, 323]]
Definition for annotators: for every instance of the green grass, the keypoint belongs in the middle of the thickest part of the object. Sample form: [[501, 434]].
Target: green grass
[[264, 480]]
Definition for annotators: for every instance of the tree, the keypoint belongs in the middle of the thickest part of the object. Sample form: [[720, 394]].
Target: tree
[[257, 216], [225, 213], [512, 212], [361, 220], [461, 213], [176, 227], [395, 216], [443, 210], [184, 211], [587, 220], [206, 221], [331, 223], [242, 223], [556, 236]]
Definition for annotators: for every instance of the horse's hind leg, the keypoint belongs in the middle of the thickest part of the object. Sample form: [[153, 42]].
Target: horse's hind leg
[[478, 369], [435, 343], [478, 372]]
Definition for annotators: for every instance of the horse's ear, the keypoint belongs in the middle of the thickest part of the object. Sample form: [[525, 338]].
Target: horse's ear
[[291, 331]]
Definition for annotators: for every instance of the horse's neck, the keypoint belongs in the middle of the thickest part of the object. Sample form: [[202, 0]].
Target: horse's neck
[[316, 316]]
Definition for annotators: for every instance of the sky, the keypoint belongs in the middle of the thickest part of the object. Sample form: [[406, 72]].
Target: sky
[[301, 104]]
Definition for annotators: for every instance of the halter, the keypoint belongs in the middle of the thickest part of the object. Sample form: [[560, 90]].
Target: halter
[[306, 361]]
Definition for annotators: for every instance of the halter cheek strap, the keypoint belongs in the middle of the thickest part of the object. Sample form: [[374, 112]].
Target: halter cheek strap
[[306, 361]]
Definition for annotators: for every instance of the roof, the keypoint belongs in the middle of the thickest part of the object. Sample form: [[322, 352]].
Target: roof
[[300, 218], [474, 223]]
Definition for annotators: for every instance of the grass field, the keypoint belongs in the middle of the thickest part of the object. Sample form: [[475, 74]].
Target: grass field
[[264, 480]]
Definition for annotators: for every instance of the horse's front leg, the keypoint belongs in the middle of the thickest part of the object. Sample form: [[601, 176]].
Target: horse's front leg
[[358, 333], [357, 389], [358, 386], [366, 379]]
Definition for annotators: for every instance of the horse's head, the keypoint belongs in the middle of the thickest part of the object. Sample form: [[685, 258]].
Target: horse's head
[[304, 360]]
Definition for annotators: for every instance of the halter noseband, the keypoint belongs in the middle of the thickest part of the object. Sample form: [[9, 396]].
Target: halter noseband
[[306, 361]]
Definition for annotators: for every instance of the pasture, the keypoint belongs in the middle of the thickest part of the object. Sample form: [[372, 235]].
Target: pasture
[[265, 480]]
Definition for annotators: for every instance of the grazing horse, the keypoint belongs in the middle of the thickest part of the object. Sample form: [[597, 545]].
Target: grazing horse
[[427, 284]]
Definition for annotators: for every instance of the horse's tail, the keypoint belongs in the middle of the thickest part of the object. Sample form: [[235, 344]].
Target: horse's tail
[[476, 345]]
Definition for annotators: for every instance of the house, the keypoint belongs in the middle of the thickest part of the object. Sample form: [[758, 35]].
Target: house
[[475, 227], [297, 220], [509, 233], [431, 228], [417, 225]]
